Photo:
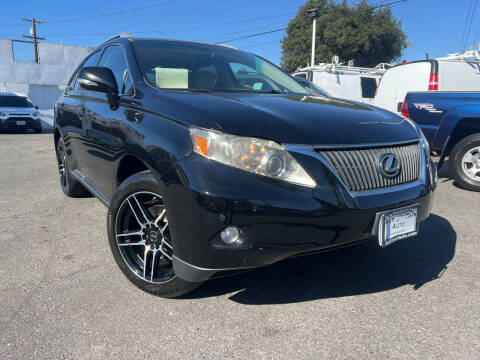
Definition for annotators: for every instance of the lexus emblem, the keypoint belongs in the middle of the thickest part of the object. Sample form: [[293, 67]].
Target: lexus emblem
[[390, 165]]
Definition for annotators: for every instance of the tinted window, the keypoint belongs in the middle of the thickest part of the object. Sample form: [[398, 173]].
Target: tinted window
[[369, 86], [15, 101], [114, 59], [301, 75], [91, 61], [184, 66]]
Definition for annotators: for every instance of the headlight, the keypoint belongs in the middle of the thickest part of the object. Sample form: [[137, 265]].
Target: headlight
[[3, 114], [36, 113], [258, 156]]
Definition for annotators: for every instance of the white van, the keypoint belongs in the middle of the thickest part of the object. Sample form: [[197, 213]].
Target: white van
[[426, 75], [345, 82]]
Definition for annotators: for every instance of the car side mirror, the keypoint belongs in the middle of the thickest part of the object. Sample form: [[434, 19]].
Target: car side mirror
[[100, 79], [36, 107]]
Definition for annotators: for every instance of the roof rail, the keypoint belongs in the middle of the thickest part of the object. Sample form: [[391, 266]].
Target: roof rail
[[121, 35], [469, 55]]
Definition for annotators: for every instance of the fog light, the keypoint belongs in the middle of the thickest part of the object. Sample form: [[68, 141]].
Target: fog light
[[231, 235]]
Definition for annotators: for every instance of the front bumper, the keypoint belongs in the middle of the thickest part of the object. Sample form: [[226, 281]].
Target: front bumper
[[278, 219], [12, 123]]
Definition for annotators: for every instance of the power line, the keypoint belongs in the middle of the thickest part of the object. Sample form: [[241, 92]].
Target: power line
[[462, 42], [470, 25], [285, 28], [119, 12]]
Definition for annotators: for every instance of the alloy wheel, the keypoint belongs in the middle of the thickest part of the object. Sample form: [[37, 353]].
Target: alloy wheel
[[62, 164], [143, 237], [471, 163]]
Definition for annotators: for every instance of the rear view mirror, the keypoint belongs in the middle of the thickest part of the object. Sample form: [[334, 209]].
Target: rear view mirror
[[100, 79]]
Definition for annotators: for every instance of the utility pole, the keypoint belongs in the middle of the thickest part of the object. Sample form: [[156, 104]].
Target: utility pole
[[313, 13], [33, 35]]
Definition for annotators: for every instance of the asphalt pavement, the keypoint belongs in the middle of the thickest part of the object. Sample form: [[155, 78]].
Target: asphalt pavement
[[63, 297]]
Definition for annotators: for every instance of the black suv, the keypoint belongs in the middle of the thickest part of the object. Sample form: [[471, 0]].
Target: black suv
[[213, 160]]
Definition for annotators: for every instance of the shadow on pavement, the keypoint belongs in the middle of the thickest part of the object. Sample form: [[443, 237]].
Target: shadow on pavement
[[361, 269]]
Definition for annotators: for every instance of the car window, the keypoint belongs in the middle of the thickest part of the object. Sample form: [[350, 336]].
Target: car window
[[91, 61], [369, 86], [114, 59]]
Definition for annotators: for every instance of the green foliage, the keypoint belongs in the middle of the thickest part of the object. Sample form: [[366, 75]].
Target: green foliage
[[367, 35]]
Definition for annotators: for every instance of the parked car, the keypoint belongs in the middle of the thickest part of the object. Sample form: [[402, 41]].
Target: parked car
[[451, 124], [447, 74], [203, 175], [18, 113], [344, 82], [314, 89]]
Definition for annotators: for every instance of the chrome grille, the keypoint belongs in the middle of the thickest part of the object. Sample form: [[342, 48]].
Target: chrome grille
[[359, 167]]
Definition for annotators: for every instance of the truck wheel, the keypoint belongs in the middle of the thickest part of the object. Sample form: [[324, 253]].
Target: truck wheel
[[70, 186], [140, 240], [464, 163]]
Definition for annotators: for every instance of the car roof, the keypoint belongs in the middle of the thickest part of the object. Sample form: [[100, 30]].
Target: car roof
[[10, 94], [127, 37]]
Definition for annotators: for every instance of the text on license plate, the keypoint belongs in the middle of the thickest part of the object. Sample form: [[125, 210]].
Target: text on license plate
[[398, 225], [20, 122]]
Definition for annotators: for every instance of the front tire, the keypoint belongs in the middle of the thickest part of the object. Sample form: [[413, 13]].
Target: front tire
[[140, 240], [464, 163]]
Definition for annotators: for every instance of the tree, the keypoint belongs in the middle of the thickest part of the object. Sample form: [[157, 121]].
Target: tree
[[366, 34]]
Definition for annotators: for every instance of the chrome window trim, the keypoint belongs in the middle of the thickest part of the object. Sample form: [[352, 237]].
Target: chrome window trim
[[311, 150]]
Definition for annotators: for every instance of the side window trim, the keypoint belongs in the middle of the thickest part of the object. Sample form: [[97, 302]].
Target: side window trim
[[73, 78], [126, 63]]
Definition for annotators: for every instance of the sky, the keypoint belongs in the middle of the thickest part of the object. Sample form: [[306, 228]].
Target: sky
[[435, 27]]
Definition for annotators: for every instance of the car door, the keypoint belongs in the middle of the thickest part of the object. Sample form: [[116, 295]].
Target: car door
[[70, 112], [100, 143]]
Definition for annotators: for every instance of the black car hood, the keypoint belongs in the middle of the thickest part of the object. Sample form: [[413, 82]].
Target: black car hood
[[294, 119]]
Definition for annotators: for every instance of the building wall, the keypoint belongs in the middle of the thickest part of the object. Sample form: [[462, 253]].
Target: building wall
[[43, 83]]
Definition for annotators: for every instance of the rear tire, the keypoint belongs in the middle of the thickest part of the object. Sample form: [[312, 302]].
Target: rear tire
[[140, 240], [70, 186], [464, 163]]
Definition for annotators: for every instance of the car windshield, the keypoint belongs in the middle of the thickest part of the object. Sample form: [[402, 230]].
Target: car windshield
[[15, 101], [198, 67]]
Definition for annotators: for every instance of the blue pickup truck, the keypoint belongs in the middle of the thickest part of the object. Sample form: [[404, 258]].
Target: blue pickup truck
[[451, 123]]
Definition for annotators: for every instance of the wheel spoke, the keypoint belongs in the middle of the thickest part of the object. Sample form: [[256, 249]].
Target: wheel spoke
[[164, 253], [162, 230], [165, 242], [154, 253], [145, 254], [160, 217], [132, 233], [468, 158], [142, 210], [135, 214], [138, 243]]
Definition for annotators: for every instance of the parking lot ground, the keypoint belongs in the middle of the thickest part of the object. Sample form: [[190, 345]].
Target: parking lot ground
[[62, 295]]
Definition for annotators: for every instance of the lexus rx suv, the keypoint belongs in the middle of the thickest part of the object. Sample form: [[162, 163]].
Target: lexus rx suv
[[18, 113], [205, 172]]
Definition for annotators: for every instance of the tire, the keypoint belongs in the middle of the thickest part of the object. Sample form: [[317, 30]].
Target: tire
[[70, 186], [138, 234], [464, 163], [37, 131]]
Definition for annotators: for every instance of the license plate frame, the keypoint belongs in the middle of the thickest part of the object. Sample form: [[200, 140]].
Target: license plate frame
[[385, 218], [21, 122]]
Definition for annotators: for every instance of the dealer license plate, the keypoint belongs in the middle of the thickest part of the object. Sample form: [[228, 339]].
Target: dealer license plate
[[397, 224], [20, 122]]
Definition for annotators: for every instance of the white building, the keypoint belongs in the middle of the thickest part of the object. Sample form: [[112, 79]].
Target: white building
[[43, 83]]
